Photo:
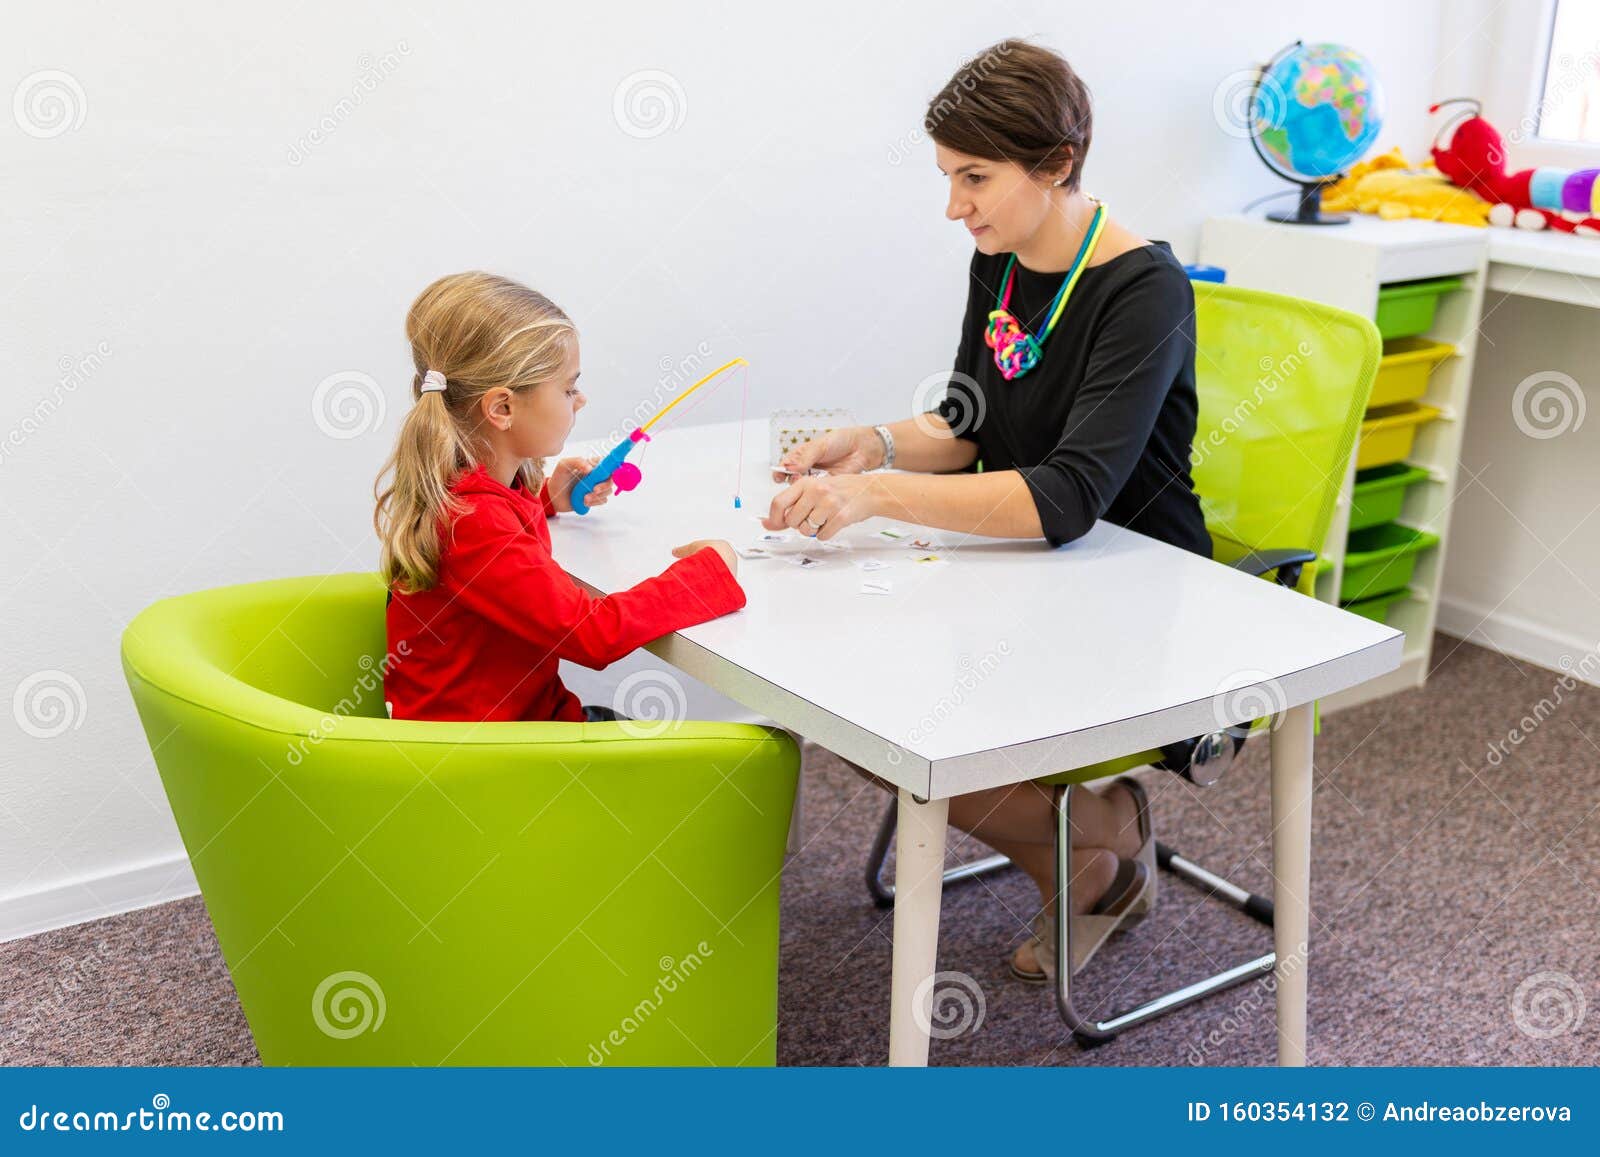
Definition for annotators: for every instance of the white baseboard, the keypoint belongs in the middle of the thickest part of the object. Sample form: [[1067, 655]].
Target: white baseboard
[[1521, 639], [92, 897]]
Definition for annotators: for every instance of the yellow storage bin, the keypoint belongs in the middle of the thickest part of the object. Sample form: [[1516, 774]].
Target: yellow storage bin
[[1388, 432], [1407, 364]]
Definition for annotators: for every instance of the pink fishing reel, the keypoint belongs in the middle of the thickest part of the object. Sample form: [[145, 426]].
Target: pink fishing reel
[[625, 477]]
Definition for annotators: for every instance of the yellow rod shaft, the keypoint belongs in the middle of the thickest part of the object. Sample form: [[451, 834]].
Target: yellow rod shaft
[[691, 389]]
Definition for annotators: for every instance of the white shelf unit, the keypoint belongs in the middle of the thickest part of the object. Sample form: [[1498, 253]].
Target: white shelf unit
[[1345, 265]]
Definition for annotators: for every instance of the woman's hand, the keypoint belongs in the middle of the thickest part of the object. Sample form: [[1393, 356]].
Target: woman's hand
[[822, 506], [568, 471], [851, 450], [717, 544]]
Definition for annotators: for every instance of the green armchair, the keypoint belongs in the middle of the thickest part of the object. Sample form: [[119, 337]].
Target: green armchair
[[391, 892]]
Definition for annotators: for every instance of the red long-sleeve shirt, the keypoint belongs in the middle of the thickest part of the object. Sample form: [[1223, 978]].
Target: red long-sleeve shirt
[[483, 643]]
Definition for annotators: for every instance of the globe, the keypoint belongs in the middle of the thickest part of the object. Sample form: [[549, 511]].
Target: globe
[[1316, 109]]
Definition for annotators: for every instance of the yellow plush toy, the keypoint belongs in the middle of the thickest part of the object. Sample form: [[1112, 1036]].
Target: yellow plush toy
[[1389, 187]]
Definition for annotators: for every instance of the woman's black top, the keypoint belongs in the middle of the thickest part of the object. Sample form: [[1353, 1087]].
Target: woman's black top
[[1102, 426]]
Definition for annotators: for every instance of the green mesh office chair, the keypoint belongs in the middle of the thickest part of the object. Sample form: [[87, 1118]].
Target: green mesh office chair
[[397, 892], [1283, 385]]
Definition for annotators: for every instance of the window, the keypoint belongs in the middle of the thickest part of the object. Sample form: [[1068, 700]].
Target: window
[[1569, 101], [1536, 66]]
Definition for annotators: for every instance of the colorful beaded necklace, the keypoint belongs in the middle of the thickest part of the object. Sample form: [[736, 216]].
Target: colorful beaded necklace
[[1016, 351]]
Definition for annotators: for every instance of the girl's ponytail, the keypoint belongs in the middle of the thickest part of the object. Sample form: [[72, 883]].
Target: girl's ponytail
[[479, 331], [427, 456]]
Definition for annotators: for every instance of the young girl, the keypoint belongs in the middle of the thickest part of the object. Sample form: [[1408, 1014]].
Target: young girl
[[479, 612]]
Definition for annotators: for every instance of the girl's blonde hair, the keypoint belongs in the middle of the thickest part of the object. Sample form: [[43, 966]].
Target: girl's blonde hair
[[480, 331]]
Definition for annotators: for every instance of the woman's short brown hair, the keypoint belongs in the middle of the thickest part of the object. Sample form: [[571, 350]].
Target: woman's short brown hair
[[1017, 102]]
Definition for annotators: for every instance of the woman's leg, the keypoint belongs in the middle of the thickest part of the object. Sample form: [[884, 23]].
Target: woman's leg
[[1018, 822]]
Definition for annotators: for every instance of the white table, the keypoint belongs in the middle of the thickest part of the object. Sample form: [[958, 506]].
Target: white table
[[1010, 662]]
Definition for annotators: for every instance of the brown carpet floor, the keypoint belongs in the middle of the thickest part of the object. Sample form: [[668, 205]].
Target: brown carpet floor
[[1455, 915]]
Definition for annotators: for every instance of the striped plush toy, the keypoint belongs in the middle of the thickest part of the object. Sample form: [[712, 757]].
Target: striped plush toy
[[1545, 197]]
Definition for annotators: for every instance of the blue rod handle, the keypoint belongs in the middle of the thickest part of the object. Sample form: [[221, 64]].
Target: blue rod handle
[[607, 466]]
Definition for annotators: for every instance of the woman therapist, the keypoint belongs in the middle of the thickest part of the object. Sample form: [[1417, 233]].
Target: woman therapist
[[1073, 387]]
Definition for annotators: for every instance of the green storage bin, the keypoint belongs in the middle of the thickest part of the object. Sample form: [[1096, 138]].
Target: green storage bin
[[1379, 493], [1405, 308], [1376, 609], [1381, 559]]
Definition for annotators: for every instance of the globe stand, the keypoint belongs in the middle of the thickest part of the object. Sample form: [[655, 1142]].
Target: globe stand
[[1309, 211]]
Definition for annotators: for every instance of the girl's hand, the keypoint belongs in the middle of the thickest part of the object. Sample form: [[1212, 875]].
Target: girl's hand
[[822, 506], [568, 471], [852, 450], [717, 544]]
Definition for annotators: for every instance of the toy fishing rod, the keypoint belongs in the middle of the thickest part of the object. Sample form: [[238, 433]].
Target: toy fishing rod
[[614, 466]]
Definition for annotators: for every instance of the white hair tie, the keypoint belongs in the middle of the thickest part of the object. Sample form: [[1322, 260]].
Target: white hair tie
[[432, 381]]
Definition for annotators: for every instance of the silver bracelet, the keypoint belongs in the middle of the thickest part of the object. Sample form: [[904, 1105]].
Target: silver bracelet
[[888, 446]]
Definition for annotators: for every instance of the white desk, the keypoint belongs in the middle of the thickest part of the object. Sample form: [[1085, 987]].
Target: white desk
[[1011, 662], [1548, 265]]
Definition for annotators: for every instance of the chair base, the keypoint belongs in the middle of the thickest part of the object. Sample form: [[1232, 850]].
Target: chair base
[[1089, 1032], [1095, 1032]]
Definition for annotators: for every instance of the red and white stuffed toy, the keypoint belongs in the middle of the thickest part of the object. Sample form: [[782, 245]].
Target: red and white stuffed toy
[[1545, 197]]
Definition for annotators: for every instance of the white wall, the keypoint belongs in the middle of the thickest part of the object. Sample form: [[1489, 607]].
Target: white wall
[[186, 265]]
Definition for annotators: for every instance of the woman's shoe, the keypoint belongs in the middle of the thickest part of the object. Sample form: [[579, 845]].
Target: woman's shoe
[[1146, 854], [1113, 912]]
